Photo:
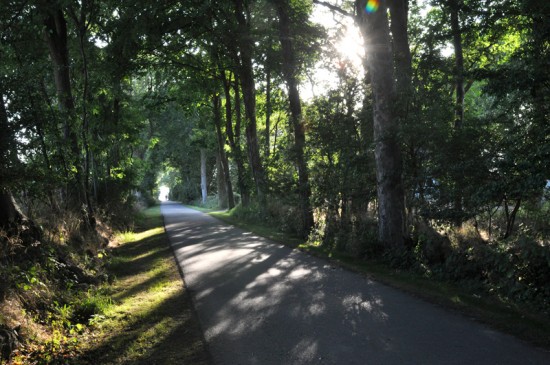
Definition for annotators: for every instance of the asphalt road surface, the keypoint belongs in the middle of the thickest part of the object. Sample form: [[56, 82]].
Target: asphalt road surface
[[262, 303]]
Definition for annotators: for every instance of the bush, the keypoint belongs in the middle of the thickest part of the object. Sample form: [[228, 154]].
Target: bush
[[93, 304], [286, 218], [211, 202], [430, 247], [516, 269]]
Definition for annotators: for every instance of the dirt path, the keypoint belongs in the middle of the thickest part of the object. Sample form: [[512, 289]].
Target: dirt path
[[263, 303]]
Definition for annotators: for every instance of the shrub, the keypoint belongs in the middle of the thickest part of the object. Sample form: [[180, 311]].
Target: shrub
[[93, 304]]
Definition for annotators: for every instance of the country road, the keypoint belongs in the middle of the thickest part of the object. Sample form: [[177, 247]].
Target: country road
[[262, 303]]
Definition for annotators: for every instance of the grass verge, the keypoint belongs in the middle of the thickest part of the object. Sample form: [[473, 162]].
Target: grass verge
[[270, 232], [517, 320], [202, 209], [151, 318]]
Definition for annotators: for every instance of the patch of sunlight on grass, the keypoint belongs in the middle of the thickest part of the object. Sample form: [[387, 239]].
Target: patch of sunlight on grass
[[149, 338], [153, 294], [149, 233], [129, 236], [125, 237], [160, 287], [144, 322], [157, 270]]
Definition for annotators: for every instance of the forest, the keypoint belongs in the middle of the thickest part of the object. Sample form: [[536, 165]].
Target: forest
[[412, 132]]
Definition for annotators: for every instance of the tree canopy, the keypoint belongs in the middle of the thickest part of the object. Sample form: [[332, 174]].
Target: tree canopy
[[443, 125]]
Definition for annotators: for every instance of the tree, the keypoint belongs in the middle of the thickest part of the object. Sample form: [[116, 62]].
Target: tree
[[246, 78], [290, 68], [9, 213], [379, 63], [222, 157], [56, 37]]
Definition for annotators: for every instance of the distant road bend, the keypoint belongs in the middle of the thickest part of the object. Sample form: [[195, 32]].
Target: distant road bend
[[263, 303]]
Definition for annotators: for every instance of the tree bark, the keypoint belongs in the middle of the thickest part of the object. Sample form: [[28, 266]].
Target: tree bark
[[222, 187], [456, 30], [7, 144], [289, 71], [55, 35], [268, 111], [401, 52], [233, 137], [244, 40], [223, 162], [204, 183], [375, 29], [510, 216], [454, 7], [10, 215], [403, 73], [82, 27]]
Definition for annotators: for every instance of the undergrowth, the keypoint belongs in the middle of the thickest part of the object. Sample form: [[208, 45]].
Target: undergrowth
[[52, 286]]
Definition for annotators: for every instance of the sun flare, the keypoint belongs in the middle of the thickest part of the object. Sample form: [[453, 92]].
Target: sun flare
[[350, 45]]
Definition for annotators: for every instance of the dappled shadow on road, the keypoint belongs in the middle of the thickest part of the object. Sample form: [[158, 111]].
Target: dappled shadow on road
[[263, 303], [261, 295]]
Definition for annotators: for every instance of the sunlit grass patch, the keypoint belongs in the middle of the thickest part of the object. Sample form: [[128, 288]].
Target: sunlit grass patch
[[124, 237], [151, 315], [129, 236]]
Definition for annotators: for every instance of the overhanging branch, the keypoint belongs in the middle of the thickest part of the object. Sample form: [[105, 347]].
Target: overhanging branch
[[333, 8]]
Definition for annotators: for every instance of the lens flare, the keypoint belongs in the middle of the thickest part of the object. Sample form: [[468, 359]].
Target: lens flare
[[372, 6]]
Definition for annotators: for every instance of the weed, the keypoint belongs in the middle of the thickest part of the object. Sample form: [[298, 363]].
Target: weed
[[94, 304], [127, 236]]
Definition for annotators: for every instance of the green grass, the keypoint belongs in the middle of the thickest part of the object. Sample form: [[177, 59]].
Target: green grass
[[151, 319], [265, 231], [520, 321], [202, 209]]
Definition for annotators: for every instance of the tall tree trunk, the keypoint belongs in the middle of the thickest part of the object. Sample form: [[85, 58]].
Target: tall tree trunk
[[289, 71], [233, 137], [223, 162], [401, 52], [403, 71], [244, 40], [268, 111], [7, 143], [454, 7], [375, 29], [456, 31], [220, 180], [82, 27], [55, 35], [510, 216], [10, 215], [204, 183]]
